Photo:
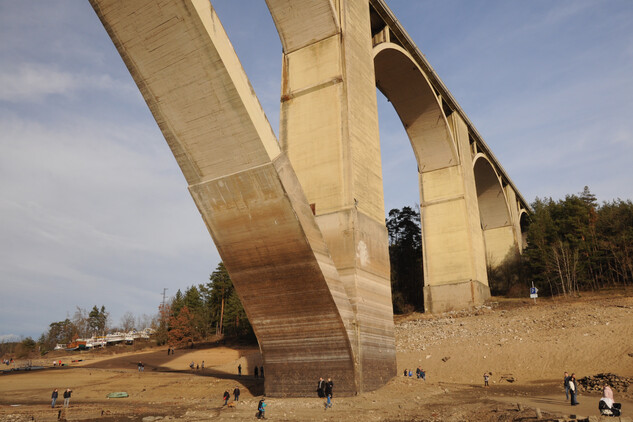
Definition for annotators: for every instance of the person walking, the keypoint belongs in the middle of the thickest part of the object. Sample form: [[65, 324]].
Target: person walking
[[54, 398], [486, 379], [203, 365], [67, 394], [261, 407], [566, 384], [321, 388], [573, 389], [226, 397], [256, 371], [236, 393], [239, 370], [261, 371], [329, 387]]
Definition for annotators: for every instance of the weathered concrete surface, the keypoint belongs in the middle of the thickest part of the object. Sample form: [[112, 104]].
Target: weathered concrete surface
[[244, 187], [329, 129]]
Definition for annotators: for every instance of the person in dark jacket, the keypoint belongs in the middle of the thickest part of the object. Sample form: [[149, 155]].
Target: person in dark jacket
[[261, 407], [236, 393], [54, 397], [329, 387], [67, 397], [321, 388], [226, 397], [256, 371]]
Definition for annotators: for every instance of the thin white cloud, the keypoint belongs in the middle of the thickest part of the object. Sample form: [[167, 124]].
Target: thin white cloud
[[29, 82], [33, 82]]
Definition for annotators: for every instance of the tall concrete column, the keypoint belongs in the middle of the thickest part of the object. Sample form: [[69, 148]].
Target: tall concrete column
[[329, 129], [453, 245]]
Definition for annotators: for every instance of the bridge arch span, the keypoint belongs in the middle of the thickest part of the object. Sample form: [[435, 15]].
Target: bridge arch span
[[405, 85], [524, 223], [496, 221], [452, 241]]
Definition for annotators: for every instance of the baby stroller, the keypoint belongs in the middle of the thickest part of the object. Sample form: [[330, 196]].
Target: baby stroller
[[605, 410]]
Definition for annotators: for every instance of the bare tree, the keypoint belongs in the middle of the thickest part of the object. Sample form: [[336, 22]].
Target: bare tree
[[144, 321], [127, 321], [80, 321]]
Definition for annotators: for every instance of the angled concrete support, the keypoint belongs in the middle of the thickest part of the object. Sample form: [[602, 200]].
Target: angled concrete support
[[316, 289]]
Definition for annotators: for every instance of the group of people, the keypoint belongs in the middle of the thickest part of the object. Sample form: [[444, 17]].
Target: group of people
[[55, 394], [170, 351], [324, 390], [7, 361], [196, 366], [140, 366], [419, 373], [606, 405], [261, 406], [258, 371], [236, 395]]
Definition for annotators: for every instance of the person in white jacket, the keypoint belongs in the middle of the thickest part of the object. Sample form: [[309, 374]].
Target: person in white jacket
[[573, 389]]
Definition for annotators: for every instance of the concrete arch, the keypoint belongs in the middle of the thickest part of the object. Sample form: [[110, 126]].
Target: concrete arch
[[524, 222], [452, 242], [496, 221], [493, 205], [406, 86]]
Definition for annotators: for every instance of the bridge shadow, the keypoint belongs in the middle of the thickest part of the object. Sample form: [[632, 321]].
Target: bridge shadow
[[255, 386], [178, 363]]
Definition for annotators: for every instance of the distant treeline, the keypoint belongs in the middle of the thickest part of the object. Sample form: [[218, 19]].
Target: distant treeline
[[573, 245]]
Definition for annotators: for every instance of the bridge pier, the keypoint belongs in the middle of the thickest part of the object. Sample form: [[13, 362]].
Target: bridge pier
[[329, 129]]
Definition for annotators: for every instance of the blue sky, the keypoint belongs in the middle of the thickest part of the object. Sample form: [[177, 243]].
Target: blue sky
[[95, 211]]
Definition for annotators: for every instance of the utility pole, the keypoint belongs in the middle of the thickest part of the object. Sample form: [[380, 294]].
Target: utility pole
[[164, 290]]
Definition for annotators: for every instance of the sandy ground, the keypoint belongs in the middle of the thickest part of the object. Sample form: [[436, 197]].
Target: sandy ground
[[532, 344]]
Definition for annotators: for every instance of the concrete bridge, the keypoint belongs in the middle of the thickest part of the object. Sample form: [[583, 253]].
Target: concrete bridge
[[300, 222]]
